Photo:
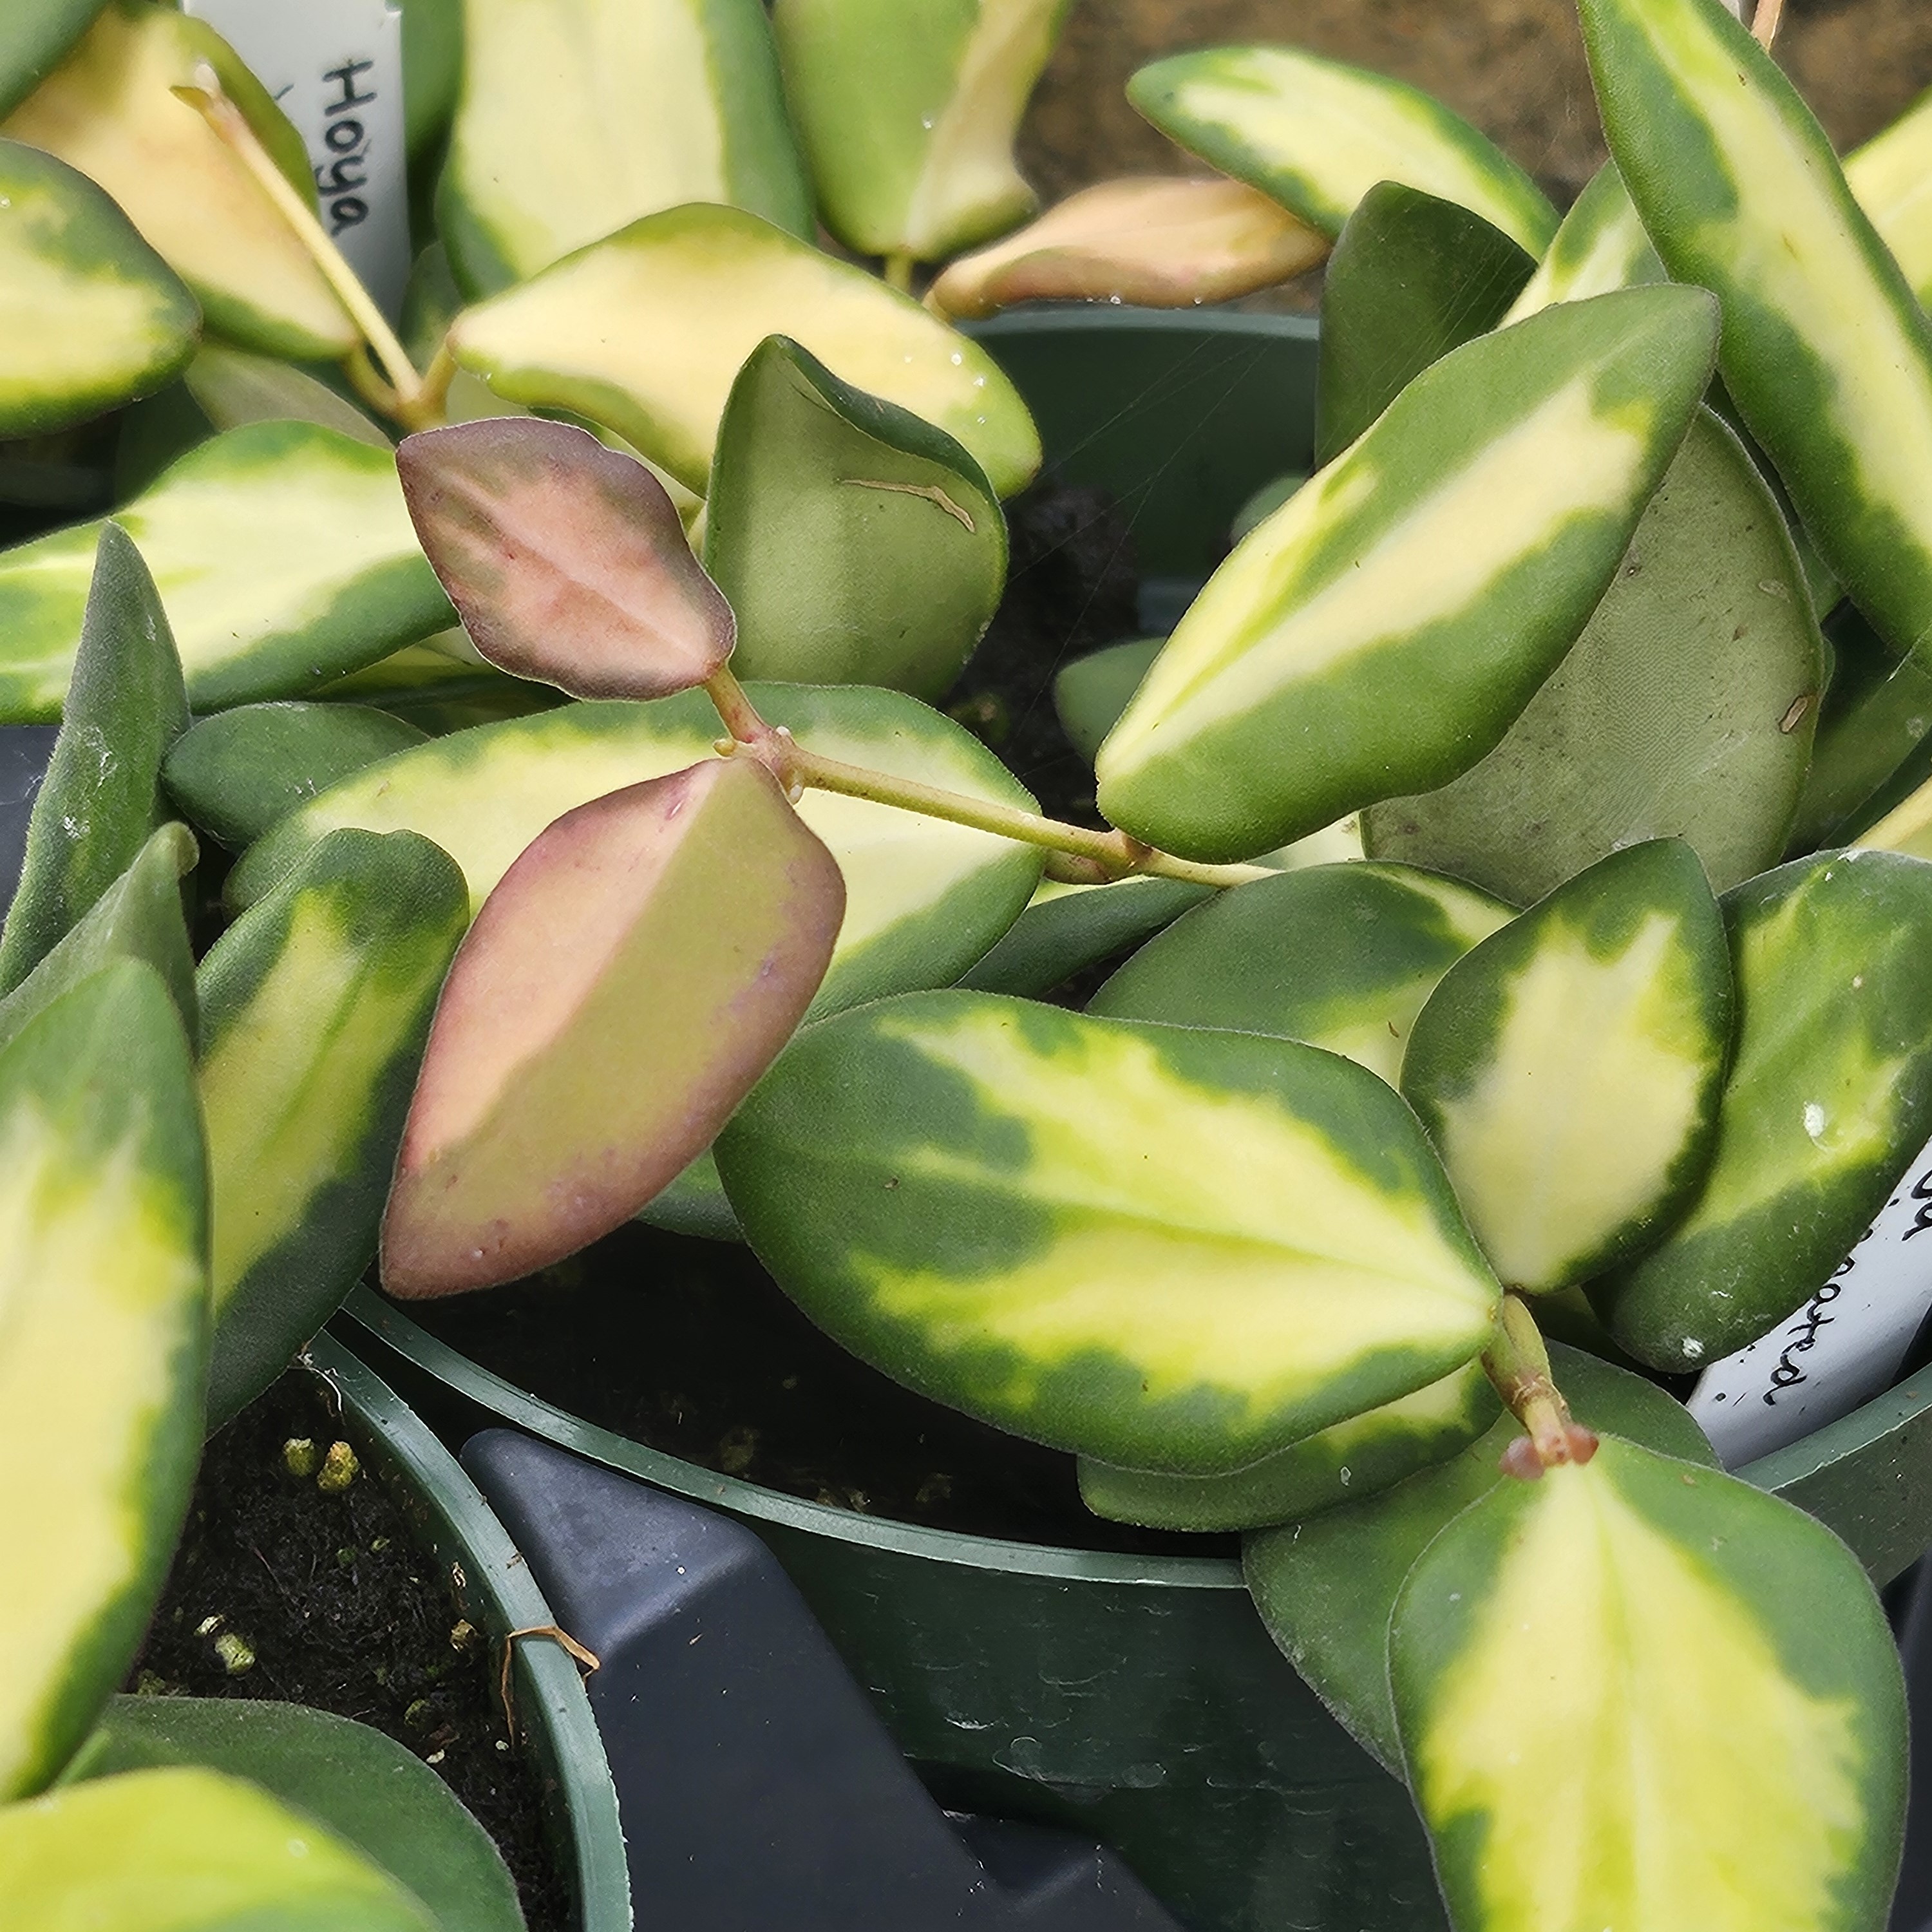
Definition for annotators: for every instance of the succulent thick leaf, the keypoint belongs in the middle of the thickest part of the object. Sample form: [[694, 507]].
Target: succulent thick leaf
[[857, 544], [644, 105], [1381, 631], [1872, 744], [1600, 247], [1165, 1248], [646, 330], [1341, 957], [1090, 693], [1318, 134], [1568, 1069], [35, 39], [923, 899], [139, 916], [1685, 710], [104, 1280], [284, 557], [235, 774], [1413, 277], [374, 1794], [432, 73], [1067, 929], [907, 110], [183, 1849], [1357, 1457], [1150, 240], [1829, 1096], [429, 686], [1826, 352], [1616, 1710], [1891, 175], [91, 316], [101, 796], [235, 386], [633, 973], [315, 1005], [1326, 1587], [565, 561], [109, 111]]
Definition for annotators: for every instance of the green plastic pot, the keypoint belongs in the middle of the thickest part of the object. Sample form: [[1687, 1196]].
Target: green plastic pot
[[492, 1587], [1138, 1700]]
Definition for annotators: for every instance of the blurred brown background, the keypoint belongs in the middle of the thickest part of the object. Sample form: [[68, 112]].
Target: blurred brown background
[[1515, 68]]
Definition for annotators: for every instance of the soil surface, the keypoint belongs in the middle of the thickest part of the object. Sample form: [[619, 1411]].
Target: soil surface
[[344, 1612]]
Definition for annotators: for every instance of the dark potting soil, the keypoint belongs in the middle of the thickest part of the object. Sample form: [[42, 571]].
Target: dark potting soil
[[691, 1347], [344, 1611]]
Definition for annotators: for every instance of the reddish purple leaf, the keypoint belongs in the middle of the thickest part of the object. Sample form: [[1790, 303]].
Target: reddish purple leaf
[[565, 561], [622, 990]]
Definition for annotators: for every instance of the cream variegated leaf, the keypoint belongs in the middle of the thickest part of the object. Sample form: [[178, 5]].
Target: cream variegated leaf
[[1891, 175], [1600, 247]]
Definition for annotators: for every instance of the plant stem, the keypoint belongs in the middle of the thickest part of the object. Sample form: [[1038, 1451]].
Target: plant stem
[[1111, 855], [1518, 1364], [1765, 21], [898, 271], [206, 96]]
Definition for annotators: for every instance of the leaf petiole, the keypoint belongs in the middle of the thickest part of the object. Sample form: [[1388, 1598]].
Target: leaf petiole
[[1518, 1364]]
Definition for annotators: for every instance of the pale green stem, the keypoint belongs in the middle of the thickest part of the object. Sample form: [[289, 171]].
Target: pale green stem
[[898, 271], [1517, 1363]]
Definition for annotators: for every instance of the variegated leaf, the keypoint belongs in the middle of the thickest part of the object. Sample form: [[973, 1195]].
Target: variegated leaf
[[644, 105], [315, 1005], [1620, 1707], [1066, 928], [1891, 175], [1874, 737], [1600, 247], [646, 330], [1318, 134], [1382, 630], [630, 976], [1826, 352], [566, 561], [34, 40], [284, 555], [1090, 693], [1326, 1587], [923, 899], [1341, 956], [1165, 1248], [1568, 1069], [1829, 1096], [103, 1277]]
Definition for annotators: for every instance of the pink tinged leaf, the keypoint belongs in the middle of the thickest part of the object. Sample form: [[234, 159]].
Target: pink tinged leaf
[[1163, 244], [565, 560], [623, 988]]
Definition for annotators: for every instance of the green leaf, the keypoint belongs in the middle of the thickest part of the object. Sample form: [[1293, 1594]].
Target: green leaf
[[1829, 1096], [923, 899], [187, 1850], [441, 685], [1067, 929], [282, 553], [1891, 175], [315, 1006], [1568, 1069], [856, 544], [1636, 1693], [1600, 247], [1871, 748], [565, 561], [432, 72], [140, 916], [1341, 957], [92, 316], [1318, 134], [104, 1279], [109, 111], [33, 39], [1685, 710], [907, 110], [1326, 1587], [236, 774], [644, 105], [630, 976], [1391, 619], [1358, 1457], [102, 795], [1163, 1248], [646, 330], [1826, 352], [235, 386], [1412, 277], [1090, 693], [373, 1793]]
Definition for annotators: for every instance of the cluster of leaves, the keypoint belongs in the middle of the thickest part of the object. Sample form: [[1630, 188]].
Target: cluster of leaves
[[1258, 1236]]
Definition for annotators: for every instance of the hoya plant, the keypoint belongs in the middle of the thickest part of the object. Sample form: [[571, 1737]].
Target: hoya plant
[[1350, 1210]]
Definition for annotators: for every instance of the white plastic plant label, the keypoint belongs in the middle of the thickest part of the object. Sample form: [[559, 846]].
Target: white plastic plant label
[[335, 68], [1845, 1345]]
